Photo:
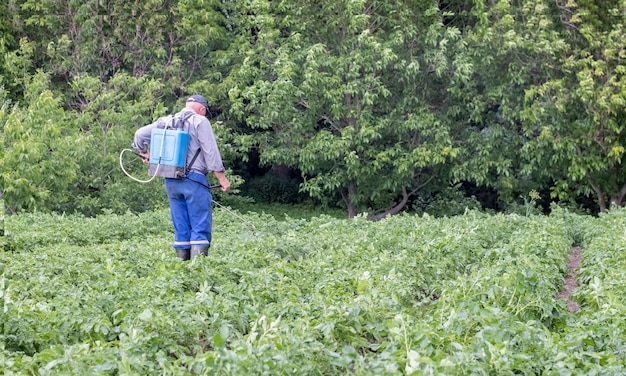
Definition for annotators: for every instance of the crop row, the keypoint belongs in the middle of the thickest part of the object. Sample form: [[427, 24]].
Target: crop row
[[473, 294]]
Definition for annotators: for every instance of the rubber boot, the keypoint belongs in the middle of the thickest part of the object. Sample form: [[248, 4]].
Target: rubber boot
[[199, 250], [183, 254]]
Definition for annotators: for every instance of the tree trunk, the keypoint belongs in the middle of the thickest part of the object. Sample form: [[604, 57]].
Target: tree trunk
[[600, 196], [618, 198], [394, 209], [346, 196]]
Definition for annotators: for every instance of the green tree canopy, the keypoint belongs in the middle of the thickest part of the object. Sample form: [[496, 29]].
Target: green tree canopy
[[347, 98], [375, 103], [576, 121]]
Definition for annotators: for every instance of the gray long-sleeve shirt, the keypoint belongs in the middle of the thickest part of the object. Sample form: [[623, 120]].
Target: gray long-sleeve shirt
[[201, 137]]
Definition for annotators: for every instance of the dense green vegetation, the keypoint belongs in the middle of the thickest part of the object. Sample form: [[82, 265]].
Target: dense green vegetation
[[372, 106], [466, 140], [470, 294]]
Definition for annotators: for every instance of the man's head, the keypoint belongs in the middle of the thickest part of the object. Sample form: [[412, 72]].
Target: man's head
[[197, 103]]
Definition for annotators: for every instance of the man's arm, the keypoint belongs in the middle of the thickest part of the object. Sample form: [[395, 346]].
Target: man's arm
[[221, 177], [143, 135]]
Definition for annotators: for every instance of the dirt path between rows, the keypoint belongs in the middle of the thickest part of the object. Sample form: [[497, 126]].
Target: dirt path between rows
[[570, 282]]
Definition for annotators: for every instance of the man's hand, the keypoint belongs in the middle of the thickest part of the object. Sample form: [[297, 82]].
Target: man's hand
[[145, 156], [224, 183]]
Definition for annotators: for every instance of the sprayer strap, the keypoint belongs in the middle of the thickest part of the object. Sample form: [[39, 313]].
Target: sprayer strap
[[184, 117], [188, 168]]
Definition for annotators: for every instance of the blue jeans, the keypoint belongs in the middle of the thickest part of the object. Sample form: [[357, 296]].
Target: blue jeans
[[190, 208]]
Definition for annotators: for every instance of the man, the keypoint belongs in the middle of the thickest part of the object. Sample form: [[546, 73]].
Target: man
[[190, 197]]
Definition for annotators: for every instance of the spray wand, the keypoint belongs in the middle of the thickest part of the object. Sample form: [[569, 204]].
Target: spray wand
[[140, 156], [252, 228]]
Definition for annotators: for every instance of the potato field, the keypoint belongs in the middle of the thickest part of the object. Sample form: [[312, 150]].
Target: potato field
[[476, 294]]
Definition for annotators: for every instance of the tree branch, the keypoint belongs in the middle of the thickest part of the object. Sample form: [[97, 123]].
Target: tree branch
[[395, 208]]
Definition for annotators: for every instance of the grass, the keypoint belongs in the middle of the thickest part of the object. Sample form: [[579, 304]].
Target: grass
[[285, 211]]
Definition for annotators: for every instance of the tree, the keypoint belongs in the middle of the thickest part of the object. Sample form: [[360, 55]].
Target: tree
[[510, 46], [107, 115], [172, 41], [110, 66], [345, 92], [39, 161], [576, 121]]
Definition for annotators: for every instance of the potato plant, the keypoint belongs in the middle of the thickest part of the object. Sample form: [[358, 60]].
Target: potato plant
[[408, 295]]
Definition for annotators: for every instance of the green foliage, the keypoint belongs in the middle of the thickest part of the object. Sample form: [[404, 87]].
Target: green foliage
[[2, 241], [15, 67], [111, 67], [575, 120], [68, 161], [601, 281], [306, 210], [509, 48], [40, 158], [471, 294], [449, 202], [372, 101], [346, 108], [273, 187], [4, 109], [108, 115]]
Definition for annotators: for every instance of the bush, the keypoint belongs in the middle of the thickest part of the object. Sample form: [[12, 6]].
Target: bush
[[273, 187], [448, 202]]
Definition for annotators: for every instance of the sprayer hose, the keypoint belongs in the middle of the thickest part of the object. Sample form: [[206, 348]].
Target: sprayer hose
[[158, 164], [132, 177]]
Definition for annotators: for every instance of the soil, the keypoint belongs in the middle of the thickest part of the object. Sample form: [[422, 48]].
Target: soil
[[570, 282]]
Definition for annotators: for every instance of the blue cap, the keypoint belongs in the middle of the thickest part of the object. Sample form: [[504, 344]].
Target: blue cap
[[200, 99]]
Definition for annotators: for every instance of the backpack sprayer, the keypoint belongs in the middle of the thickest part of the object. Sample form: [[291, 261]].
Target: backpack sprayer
[[169, 161], [168, 152], [168, 157]]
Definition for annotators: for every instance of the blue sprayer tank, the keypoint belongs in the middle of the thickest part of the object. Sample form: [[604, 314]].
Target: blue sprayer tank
[[168, 152]]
